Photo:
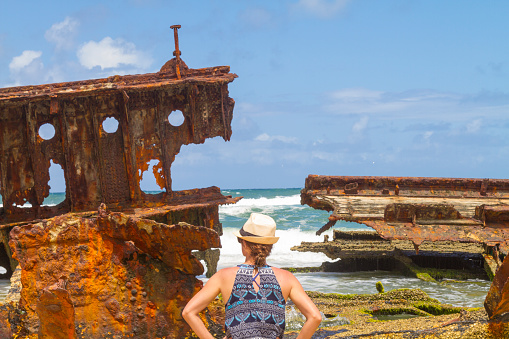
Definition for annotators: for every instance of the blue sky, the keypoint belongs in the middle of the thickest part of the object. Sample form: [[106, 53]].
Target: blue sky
[[332, 87]]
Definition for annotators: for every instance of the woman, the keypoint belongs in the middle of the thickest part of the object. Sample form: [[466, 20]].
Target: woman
[[255, 293]]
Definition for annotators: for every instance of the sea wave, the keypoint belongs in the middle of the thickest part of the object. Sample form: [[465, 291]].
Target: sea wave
[[275, 201], [263, 205]]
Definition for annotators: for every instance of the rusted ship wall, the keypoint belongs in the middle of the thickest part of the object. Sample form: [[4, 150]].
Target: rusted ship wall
[[103, 167], [108, 275], [86, 274]]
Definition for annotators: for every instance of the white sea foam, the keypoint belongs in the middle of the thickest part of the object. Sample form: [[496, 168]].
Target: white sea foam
[[26, 205], [267, 204]]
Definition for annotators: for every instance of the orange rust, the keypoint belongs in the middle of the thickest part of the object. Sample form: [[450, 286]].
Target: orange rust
[[497, 300], [113, 265]]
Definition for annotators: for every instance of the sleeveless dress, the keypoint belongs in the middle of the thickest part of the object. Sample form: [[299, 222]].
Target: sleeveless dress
[[251, 314]]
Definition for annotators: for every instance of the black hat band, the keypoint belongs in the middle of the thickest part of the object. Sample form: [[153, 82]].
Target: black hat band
[[246, 234]]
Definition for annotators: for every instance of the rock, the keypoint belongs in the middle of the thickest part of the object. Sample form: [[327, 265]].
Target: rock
[[211, 257]]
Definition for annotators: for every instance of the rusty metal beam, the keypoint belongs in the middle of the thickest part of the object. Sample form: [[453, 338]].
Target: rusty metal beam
[[130, 165], [166, 162], [417, 209], [426, 209]]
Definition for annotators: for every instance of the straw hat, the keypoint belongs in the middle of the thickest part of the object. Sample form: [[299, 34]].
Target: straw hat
[[259, 228]]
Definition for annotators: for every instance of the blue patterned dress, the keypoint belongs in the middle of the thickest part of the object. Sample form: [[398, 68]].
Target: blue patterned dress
[[251, 314]]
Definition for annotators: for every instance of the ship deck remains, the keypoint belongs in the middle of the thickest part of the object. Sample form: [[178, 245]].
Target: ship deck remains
[[425, 210]]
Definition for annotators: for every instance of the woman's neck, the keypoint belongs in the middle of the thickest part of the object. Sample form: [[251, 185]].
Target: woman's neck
[[249, 261]]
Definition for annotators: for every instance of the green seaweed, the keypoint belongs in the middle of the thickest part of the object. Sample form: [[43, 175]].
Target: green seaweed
[[406, 294], [425, 276], [302, 269], [437, 309], [436, 275]]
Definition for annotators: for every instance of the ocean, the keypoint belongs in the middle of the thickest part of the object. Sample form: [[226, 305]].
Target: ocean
[[297, 223]]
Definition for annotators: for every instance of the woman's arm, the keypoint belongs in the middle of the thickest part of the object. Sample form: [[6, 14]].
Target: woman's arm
[[306, 307], [198, 304]]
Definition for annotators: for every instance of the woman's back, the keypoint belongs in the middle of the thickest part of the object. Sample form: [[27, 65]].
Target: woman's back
[[256, 306]]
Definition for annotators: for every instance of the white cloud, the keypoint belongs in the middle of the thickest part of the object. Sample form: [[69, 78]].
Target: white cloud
[[416, 104], [362, 101], [360, 125], [356, 95], [192, 158], [357, 130], [62, 33], [265, 137], [111, 53], [335, 157], [427, 135], [322, 8], [474, 126], [24, 60], [246, 107], [27, 68]]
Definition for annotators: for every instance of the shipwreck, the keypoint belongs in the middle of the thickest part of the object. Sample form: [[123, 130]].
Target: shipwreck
[[428, 222], [110, 260]]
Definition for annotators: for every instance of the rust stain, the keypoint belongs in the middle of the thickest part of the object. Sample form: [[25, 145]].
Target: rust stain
[[497, 300]]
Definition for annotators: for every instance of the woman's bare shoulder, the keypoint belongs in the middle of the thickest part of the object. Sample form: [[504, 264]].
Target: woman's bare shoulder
[[227, 272], [225, 275]]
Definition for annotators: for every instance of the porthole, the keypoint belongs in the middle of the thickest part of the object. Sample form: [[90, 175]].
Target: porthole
[[110, 125], [47, 131], [176, 118]]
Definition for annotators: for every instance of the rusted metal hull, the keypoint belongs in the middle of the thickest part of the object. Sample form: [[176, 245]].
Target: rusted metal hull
[[103, 167], [497, 300]]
